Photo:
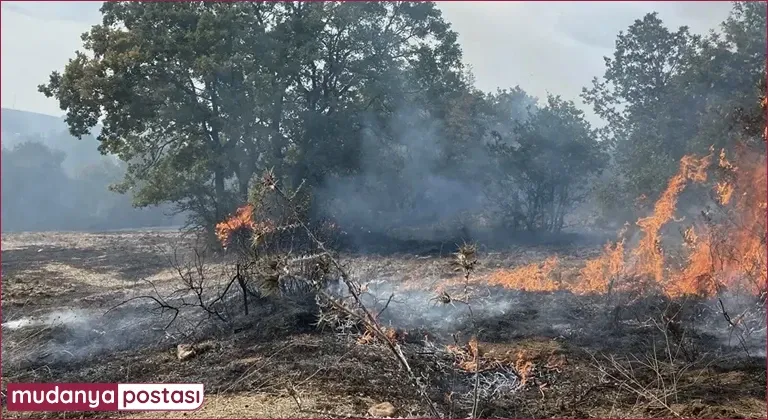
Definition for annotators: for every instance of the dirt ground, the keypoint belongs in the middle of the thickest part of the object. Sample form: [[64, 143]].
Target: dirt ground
[[578, 357]]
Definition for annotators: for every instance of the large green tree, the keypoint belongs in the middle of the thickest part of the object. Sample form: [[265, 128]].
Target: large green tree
[[638, 99], [199, 96]]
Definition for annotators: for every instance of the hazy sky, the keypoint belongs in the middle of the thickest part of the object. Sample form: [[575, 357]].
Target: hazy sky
[[552, 47]]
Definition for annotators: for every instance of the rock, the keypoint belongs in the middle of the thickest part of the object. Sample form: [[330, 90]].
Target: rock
[[188, 351], [384, 409], [185, 352]]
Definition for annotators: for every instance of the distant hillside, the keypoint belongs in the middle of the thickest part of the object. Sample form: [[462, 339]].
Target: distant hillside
[[20, 126], [53, 181], [15, 122]]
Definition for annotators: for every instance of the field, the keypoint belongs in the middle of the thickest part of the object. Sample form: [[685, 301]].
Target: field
[[540, 353]]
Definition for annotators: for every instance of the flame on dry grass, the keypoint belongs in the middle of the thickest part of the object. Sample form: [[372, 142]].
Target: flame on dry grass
[[368, 337], [524, 367], [649, 255], [535, 277], [392, 334], [468, 358], [599, 274], [728, 253]]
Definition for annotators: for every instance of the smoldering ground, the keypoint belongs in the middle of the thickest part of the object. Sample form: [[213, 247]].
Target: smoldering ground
[[496, 314], [68, 336], [278, 341], [406, 293]]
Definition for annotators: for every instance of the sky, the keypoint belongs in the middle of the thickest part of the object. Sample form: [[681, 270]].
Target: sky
[[545, 47]]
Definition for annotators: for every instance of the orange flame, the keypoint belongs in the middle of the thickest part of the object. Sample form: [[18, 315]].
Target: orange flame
[[599, 274], [719, 254], [241, 222], [535, 277], [524, 367], [649, 256]]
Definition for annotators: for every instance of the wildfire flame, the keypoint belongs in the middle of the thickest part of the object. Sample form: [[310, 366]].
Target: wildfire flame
[[524, 367], [649, 256], [240, 223], [728, 254], [599, 274], [719, 254], [535, 277]]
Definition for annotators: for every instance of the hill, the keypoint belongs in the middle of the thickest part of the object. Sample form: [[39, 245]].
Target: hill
[[20, 126]]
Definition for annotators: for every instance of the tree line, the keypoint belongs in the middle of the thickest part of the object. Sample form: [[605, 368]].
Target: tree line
[[369, 106], [41, 191]]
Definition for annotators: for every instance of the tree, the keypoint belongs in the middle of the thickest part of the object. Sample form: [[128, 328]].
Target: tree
[[667, 94], [198, 97], [727, 77], [36, 192], [638, 100], [545, 167]]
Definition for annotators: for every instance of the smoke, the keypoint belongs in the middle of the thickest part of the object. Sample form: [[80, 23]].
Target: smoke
[[503, 315], [487, 177], [74, 335], [417, 190], [39, 193]]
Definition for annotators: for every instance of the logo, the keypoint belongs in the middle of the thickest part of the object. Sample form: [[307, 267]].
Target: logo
[[103, 397]]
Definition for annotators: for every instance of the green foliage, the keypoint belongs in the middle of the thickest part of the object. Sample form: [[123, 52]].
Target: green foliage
[[545, 165], [198, 97], [667, 93]]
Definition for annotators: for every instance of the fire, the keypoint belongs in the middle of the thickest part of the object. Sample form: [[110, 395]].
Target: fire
[[241, 222], [368, 337], [718, 253], [471, 361], [649, 255], [523, 367], [467, 358], [471, 357], [722, 254], [724, 192], [392, 334], [599, 274], [697, 275], [724, 189], [730, 253], [535, 277]]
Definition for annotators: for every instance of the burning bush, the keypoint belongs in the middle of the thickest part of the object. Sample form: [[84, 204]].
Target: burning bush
[[724, 249], [240, 228]]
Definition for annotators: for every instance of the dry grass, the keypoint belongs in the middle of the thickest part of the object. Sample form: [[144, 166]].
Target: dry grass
[[248, 372]]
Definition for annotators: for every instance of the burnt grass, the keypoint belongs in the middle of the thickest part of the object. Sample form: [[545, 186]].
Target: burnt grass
[[578, 346]]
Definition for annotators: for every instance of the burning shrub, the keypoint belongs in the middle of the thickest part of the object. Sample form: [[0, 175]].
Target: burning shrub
[[724, 250], [241, 229]]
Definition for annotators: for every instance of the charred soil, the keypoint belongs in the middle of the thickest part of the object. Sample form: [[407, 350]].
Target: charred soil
[[539, 353]]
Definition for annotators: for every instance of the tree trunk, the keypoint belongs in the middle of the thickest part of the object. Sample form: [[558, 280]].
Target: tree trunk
[[245, 172]]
